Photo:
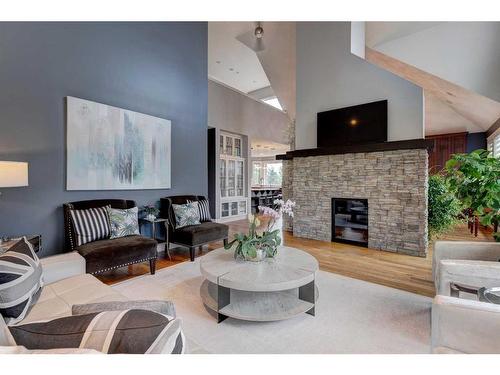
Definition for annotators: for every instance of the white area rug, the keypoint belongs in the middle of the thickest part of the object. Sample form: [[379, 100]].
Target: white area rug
[[352, 316]]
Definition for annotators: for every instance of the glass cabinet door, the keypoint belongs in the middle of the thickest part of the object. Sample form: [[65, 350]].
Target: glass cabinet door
[[242, 208], [229, 145], [237, 147], [221, 145], [234, 208], [225, 210], [239, 178], [231, 165], [223, 178]]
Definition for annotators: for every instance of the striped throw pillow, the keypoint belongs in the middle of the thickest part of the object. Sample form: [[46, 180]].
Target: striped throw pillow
[[90, 225], [204, 209], [20, 280], [113, 332]]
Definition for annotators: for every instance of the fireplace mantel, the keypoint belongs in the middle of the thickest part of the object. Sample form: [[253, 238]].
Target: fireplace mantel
[[368, 147]]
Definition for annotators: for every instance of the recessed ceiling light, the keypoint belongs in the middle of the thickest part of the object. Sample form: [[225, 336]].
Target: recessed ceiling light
[[231, 69]]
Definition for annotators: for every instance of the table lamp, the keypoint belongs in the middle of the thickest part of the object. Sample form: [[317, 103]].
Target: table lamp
[[13, 174]]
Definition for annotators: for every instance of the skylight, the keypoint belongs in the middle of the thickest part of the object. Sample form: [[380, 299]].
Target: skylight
[[273, 101]]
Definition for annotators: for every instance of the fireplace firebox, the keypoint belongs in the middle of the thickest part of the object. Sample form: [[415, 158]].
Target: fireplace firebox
[[350, 221]]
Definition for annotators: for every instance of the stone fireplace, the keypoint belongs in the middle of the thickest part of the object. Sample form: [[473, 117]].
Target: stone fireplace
[[393, 182]]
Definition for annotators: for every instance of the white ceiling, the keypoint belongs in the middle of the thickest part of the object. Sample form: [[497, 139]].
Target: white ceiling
[[230, 61], [262, 148], [382, 32]]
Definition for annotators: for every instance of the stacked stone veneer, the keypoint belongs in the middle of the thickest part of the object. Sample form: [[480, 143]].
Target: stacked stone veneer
[[394, 182]]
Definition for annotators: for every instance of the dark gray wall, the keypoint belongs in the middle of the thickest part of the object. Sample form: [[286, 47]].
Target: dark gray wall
[[476, 141], [155, 68]]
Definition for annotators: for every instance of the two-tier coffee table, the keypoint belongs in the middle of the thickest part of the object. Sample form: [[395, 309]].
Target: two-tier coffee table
[[274, 289]]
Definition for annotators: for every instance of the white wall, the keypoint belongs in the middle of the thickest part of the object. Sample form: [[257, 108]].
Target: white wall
[[465, 53], [358, 38], [329, 76], [232, 111]]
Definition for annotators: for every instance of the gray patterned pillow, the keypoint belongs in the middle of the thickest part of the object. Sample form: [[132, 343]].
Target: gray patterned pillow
[[113, 332], [123, 222], [186, 214], [20, 280]]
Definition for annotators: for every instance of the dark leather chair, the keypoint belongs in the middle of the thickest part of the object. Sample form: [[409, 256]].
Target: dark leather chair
[[191, 236], [105, 255]]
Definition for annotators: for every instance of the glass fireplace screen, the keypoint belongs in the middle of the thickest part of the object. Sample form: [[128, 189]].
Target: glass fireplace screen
[[350, 221]]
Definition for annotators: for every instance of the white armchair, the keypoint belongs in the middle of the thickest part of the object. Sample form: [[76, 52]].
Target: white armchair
[[461, 325]]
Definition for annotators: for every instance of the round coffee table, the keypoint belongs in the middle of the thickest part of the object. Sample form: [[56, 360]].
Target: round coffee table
[[274, 289]]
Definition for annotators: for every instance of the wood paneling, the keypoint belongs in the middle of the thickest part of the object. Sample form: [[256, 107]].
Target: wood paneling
[[445, 145]]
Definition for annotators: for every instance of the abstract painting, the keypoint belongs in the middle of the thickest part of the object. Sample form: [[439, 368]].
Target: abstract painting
[[110, 148]]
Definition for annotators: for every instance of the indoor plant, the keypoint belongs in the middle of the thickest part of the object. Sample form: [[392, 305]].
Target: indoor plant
[[254, 246], [443, 206], [475, 179], [151, 212]]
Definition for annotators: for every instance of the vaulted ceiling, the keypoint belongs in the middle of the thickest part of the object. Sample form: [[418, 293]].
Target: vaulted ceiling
[[456, 63], [236, 65]]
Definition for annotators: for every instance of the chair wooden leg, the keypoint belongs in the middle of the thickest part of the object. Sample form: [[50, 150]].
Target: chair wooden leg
[[152, 266], [225, 241], [191, 253]]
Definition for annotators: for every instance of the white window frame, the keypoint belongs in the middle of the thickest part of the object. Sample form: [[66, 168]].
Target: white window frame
[[494, 144], [263, 173]]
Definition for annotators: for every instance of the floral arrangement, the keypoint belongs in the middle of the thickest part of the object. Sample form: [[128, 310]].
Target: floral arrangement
[[253, 246], [151, 212]]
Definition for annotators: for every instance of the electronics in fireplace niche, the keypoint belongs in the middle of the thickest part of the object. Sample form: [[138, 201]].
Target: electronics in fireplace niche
[[350, 221], [365, 123]]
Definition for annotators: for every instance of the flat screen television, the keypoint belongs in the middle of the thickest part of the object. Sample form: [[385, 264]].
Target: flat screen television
[[364, 123]]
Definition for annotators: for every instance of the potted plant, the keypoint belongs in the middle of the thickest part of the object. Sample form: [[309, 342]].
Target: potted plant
[[254, 246], [150, 212], [443, 207], [475, 179]]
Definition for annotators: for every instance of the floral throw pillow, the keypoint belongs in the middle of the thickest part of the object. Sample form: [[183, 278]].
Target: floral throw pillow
[[186, 214], [123, 222]]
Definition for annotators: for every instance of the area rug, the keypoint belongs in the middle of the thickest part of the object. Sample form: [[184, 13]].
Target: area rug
[[352, 316]]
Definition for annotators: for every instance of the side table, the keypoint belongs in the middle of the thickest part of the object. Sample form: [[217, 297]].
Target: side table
[[490, 295], [34, 239], [153, 231]]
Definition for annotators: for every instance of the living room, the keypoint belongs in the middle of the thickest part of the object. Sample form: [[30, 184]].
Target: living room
[[249, 186]]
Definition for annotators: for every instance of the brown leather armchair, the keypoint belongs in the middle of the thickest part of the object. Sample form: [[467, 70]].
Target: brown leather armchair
[[105, 255], [192, 236]]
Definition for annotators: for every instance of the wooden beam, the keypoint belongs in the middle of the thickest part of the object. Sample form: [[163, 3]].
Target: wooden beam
[[367, 147], [493, 128]]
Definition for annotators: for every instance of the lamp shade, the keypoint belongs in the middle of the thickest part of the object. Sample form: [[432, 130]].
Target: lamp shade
[[13, 174]]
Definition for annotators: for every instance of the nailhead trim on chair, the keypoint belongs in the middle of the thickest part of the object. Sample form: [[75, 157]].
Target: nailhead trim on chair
[[123, 265]]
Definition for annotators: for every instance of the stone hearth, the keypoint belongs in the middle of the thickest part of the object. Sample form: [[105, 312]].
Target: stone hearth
[[394, 182]]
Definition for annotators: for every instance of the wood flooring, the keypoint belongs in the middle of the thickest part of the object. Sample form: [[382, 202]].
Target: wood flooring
[[405, 272]]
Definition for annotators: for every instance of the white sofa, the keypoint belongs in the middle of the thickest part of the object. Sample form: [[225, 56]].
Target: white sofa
[[65, 284], [462, 325]]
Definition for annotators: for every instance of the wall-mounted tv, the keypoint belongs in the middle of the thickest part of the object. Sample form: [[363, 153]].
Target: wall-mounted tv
[[364, 123]]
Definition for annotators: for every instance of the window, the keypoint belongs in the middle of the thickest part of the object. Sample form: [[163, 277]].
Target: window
[[494, 145], [267, 173], [273, 102]]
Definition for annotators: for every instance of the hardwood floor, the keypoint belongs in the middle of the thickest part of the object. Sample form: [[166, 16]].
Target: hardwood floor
[[404, 272]]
